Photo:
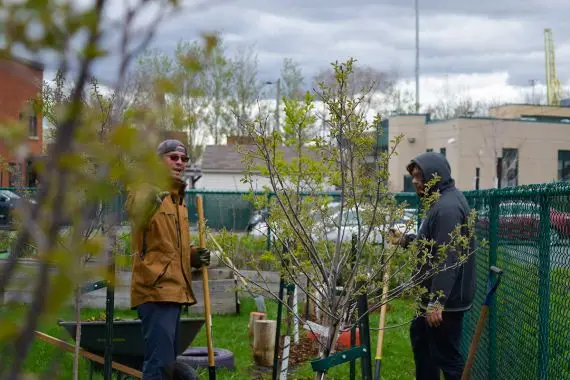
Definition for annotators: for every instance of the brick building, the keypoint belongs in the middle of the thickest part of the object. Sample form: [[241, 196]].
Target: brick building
[[20, 81]]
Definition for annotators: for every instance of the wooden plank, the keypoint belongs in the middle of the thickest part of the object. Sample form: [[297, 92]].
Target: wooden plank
[[86, 354]]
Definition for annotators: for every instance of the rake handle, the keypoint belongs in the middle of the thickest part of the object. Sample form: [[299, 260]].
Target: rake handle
[[475, 342]]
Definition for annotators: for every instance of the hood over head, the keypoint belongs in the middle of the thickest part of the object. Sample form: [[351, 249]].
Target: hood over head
[[432, 163]]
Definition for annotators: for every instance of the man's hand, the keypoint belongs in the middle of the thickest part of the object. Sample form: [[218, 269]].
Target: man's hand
[[434, 316], [204, 255]]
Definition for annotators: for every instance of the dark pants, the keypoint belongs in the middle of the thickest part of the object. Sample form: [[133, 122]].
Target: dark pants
[[437, 348], [160, 331]]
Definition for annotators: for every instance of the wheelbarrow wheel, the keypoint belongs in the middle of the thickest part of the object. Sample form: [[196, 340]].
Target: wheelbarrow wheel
[[197, 357], [180, 370]]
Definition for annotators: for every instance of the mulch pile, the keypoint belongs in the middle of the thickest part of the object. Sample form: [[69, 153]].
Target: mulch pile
[[302, 352]]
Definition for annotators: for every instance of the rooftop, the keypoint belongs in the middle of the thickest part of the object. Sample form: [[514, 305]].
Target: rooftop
[[36, 65], [229, 158]]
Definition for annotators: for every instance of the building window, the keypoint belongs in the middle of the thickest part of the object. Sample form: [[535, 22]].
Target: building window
[[564, 165], [33, 126], [429, 150], [31, 175], [442, 151], [12, 175], [510, 167], [408, 185]]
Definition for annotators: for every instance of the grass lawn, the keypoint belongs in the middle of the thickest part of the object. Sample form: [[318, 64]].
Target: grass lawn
[[230, 332]]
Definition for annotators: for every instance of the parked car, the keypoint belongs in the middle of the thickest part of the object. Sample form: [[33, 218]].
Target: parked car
[[405, 224], [9, 202], [520, 221], [256, 223], [258, 227]]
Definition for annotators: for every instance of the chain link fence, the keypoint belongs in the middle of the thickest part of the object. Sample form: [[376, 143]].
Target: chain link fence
[[527, 335]]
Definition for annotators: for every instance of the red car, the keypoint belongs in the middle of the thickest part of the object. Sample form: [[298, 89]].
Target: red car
[[521, 221]]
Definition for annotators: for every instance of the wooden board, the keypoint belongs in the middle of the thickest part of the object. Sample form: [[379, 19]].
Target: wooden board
[[86, 354]]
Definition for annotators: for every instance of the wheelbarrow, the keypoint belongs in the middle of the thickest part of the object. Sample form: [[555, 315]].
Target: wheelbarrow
[[127, 340]]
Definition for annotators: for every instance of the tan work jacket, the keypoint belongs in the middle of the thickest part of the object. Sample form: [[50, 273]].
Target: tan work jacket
[[160, 247]]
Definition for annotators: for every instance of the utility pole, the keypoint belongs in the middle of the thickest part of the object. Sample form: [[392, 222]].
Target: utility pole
[[417, 57], [277, 97], [532, 83], [277, 83]]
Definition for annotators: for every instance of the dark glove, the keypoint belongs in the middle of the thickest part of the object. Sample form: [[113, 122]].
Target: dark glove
[[204, 256]]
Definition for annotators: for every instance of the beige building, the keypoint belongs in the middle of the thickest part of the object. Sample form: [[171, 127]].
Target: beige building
[[530, 144]]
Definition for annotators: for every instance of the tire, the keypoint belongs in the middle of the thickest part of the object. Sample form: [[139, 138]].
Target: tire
[[181, 370], [197, 357]]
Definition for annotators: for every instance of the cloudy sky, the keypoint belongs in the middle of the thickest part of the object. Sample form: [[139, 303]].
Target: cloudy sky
[[487, 48]]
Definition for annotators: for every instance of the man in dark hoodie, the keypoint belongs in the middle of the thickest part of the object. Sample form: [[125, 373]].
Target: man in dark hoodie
[[435, 334]]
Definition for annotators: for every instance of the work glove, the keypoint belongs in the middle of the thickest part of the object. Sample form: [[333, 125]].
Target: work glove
[[203, 256]]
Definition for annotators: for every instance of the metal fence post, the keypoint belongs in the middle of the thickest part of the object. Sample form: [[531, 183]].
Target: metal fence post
[[494, 216], [543, 287]]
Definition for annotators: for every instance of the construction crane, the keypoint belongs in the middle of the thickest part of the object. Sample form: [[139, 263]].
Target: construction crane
[[552, 82]]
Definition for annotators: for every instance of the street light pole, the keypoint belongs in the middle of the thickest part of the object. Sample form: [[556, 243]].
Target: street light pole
[[417, 57], [277, 98], [277, 83]]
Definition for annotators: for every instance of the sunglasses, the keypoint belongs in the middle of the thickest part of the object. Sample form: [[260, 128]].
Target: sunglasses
[[175, 158]]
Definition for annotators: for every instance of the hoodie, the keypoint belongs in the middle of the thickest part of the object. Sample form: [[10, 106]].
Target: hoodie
[[450, 210]]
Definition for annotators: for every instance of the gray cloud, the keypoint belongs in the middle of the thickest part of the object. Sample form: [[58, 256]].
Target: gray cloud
[[465, 37]]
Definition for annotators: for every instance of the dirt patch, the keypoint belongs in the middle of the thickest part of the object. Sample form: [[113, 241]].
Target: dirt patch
[[306, 350]]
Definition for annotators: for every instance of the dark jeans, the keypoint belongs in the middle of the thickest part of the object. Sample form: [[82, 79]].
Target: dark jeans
[[160, 331], [438, 348]]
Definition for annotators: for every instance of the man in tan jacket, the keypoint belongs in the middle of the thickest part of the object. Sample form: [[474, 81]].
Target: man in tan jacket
[[162, 260]]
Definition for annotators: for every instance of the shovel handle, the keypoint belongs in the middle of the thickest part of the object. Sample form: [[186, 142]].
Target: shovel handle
[[207, 308]]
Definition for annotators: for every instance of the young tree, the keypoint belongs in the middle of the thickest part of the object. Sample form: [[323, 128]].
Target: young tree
[[337, 251], [197, 97], [102, 113], [364, 82], [245, 90], [80, 170], [218, 77], [292, 90], [292, 80], [397, 99]]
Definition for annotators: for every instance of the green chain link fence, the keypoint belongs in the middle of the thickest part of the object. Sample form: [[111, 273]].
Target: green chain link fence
[[527, 335]]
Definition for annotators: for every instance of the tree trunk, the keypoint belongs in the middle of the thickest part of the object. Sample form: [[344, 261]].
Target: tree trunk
[[264, 342], [253, 317], [77, 333]]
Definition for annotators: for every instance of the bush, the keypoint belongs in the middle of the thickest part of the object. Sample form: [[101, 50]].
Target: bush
[[7, 239]]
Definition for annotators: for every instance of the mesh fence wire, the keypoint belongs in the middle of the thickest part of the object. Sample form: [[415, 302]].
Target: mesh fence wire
[[527, 335]]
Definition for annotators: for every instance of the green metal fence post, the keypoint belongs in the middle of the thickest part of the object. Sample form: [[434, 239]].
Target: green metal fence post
[[543, 287], [494, 216]]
